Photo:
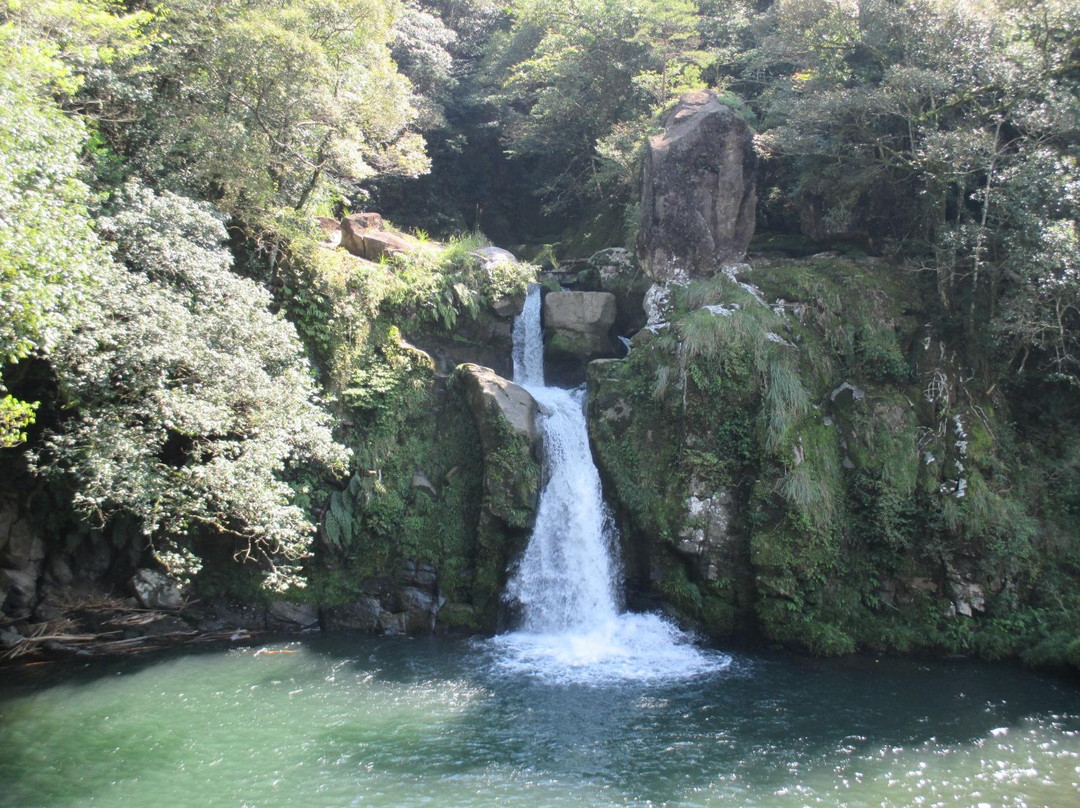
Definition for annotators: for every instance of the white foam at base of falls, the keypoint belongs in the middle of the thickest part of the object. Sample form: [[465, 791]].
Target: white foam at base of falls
[[567, 581], [628, 647]]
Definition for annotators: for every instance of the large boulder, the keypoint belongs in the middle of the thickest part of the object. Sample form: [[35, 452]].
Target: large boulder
[[505, 418], [577, 329], [698, 196], [499, 407], [354, 227], [377, 245], [582, 318], [362, 235]]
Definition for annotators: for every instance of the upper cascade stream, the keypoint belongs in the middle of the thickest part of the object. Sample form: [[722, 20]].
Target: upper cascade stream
[[567, 581]]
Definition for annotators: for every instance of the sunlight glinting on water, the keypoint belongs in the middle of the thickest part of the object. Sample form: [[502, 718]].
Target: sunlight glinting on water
[[409, 724]]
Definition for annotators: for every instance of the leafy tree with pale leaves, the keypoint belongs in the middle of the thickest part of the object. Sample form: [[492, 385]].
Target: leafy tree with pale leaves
[[193, 402], [48, 249]]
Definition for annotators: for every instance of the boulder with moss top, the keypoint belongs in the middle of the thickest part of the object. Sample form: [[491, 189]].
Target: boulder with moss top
[[577, 330], [505, 418]]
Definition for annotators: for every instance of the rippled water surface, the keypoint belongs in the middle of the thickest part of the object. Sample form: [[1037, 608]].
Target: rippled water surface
[[350, 722]]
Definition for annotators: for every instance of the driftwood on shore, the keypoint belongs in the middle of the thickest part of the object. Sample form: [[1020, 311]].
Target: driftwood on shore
[[114, 630]]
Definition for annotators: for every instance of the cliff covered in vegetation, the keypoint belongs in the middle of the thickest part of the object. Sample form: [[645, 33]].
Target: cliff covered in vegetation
[[218, 371]]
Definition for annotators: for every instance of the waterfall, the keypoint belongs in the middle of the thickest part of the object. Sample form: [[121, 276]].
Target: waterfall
[[567, 577], [566, 583], [528, 339]]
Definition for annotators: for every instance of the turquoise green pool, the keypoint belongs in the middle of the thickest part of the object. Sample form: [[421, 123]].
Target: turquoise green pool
[[357, 722]]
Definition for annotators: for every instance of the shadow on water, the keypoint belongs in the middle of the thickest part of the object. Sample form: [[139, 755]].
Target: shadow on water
[[429, 712]]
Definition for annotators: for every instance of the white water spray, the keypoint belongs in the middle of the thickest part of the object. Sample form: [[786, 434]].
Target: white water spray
[[528, 353], [567, 581]]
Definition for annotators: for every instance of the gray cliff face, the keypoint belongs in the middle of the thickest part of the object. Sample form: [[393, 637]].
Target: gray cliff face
[[699, 193]]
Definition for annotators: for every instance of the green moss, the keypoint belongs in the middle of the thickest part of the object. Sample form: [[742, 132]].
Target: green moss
[[854, 526], [636, 442], [513, 476], [416, 492], [721, 616], [460, 617], [683, 594]]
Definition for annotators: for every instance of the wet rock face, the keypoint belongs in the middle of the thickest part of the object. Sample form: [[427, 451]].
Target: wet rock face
[[361, 615], [21, 556], [411, 607], [698, 198], [505, 417], [707, 533], [293, 616]]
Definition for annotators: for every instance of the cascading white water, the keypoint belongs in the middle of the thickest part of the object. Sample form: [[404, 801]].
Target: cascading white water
[[529, 341], [567, 581]]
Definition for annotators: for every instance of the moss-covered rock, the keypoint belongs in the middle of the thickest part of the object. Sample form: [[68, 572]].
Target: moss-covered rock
[[577, 329], [809, 456], [505, 418], [617, 272]]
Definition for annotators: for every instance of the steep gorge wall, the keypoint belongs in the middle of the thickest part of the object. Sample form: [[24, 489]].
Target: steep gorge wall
[[795, 449], [827, 471], [798, 449]]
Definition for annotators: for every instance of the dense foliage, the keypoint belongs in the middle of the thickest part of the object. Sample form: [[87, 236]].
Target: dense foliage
[[192, 398], [47, 245], [202, 365]]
